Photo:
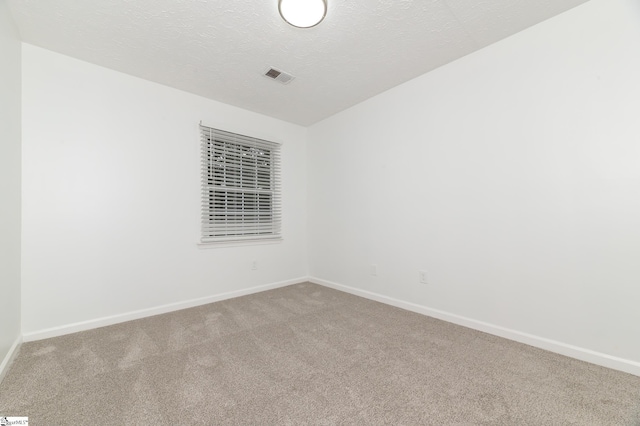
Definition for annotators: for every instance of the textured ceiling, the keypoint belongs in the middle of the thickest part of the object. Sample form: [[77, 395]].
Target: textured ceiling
[[219, 48]]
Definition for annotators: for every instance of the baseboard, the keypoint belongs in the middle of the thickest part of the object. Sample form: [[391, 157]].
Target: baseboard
[[576, 352], [129, 316], [8, 359]]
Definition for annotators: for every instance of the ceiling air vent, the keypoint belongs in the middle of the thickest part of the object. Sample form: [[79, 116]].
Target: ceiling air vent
[[277, 75]]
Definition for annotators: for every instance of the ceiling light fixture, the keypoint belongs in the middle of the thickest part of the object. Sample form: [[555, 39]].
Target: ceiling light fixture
[[303, 13]]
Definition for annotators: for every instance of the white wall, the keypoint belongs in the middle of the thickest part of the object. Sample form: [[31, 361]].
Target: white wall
[[9, 185], [111, 196], [511, 175]]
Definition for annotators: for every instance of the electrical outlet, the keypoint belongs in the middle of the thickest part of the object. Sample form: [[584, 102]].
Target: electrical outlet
[[374, 270], [254, 265], [423, 277]]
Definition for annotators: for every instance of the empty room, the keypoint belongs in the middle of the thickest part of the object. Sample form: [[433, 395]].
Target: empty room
[[418, 212]]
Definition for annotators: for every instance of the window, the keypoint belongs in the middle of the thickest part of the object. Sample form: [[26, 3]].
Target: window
[[240, 187]]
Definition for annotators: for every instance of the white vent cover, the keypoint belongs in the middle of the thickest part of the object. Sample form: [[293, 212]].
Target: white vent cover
[[277, 75]]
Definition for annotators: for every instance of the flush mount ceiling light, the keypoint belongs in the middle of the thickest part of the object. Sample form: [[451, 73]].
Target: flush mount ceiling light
[[303, 13]]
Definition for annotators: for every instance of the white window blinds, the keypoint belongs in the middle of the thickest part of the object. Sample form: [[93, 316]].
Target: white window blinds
[[240, 187]]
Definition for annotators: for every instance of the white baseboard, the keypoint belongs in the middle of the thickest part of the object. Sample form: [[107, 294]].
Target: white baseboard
[[142, 313], [582, 354], [8, 359]]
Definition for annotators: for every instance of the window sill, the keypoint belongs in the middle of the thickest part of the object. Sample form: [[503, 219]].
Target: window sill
[[223, 244]]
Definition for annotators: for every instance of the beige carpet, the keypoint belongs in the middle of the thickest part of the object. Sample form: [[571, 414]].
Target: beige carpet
[[306, 354]]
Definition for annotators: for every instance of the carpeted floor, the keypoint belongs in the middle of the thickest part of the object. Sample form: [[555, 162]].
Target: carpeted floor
[[306, 354]]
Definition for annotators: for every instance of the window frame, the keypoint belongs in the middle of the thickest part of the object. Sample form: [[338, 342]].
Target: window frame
[[241, 197]]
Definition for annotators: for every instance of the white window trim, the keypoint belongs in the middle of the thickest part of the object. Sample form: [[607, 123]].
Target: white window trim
[[223, 244], [222, 187]]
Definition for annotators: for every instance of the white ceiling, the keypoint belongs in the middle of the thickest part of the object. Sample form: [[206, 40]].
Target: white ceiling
[[219, 48]]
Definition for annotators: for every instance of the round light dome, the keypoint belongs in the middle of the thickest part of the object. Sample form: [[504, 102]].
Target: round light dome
[[303, 13]]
